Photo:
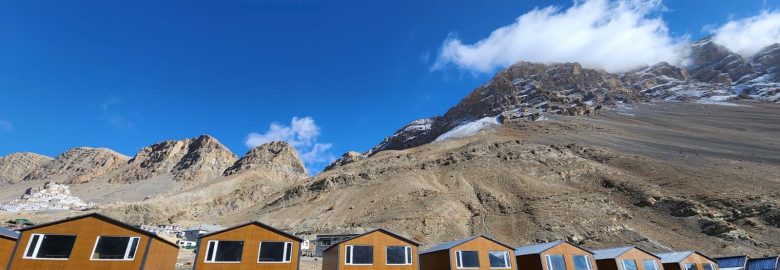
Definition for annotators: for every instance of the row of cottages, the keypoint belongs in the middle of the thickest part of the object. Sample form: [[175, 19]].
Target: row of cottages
[[746, 263], [87, 242]]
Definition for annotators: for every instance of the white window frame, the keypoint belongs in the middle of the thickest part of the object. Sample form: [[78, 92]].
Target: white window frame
[[127, 249], [216, 247], [459, 260], [507, 261], [38, 247], [407, 255], [623, 263], [548, 258], [587, 261], [712, 266], [655, 264], [685, 266], [352, 255], [284, 253]]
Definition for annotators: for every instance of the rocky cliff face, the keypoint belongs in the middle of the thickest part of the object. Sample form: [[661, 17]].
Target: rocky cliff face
[[275, 158], [526, 91], [14, 167], [198, 158], [79, 165]]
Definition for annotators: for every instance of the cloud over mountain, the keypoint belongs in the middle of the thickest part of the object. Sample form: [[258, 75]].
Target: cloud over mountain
[[611, 35], [303, 134], [749, 35]]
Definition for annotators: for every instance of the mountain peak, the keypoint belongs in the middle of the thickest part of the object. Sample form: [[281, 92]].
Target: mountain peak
[[14, 167], [79, 165], [278, 158]]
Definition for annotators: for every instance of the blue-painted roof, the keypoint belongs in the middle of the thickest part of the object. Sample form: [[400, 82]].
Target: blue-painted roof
[[449, 245], [768, 263], [9, 233], [536, 249], [732, 261], [674, 257], [610, 253]]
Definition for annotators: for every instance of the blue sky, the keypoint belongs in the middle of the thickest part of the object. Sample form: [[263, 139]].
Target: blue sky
[[126, 74]]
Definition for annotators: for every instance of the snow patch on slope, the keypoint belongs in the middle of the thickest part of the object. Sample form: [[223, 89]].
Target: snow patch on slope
[[469, 129]]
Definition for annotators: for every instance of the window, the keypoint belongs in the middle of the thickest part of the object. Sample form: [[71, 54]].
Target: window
[[708, 266], [555, 262], [399, 255], [650, 265], [224, 251], [275, 252], [467, 259], [49, 246], [582, 262], [499, 259], [115, 248], [690, 266], [360, 255], [629, 265]]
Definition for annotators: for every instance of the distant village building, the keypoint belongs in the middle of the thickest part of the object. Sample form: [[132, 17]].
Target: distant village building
[[733, 262], [687, 260], [476, 252], [7, 243], [91, 242], [558, 255], [195, 232], [379, 249], [626, 258], [53, 196], [768, 263], [324, 241], [252, 245]]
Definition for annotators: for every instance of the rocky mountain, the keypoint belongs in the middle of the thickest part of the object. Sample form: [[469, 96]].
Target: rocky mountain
[[278, 158], [14, 167], [200, 158], [527, 91], [79, 165]]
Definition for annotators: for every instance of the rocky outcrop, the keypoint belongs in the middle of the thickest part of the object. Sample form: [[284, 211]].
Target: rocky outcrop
[[524, 90], [714, 63], [345, 159], [200, 158], [14, 167], [277, 158], [79, 165]]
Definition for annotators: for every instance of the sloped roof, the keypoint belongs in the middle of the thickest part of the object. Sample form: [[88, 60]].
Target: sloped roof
[[768, 263], [205, 227], [9, 233], [537, 248], [106, 219], [732, 261], [257, 223], [452, 244], [372, 231], [613, 253], [674, 257]]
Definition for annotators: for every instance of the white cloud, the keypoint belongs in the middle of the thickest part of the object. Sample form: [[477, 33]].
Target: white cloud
[[110, 114], [749, 35], [303, 134], [614, 36], [6, 126]]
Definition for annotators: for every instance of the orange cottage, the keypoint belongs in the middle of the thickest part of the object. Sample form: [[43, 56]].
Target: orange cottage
[[476, 252], [252, 245], [7, 244], [626, 258], [558, 255], [375, 250], [91, 241], [687, 260]]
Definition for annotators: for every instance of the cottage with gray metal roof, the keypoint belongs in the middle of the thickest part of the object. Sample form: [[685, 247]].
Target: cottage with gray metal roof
[[475, 252], [557, 255], [687, 260], [626, 258]]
